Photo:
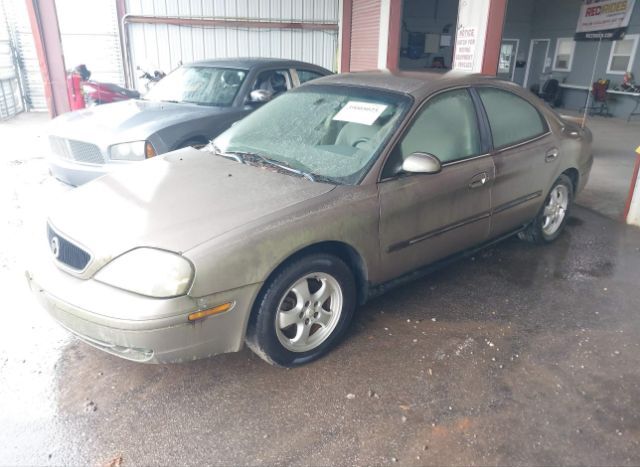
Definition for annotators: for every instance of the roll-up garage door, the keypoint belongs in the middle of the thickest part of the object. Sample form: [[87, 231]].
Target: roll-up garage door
[[365, 31]]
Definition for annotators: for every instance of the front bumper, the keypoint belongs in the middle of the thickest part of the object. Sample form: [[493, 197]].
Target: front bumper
[[76, 173], [160, 334]]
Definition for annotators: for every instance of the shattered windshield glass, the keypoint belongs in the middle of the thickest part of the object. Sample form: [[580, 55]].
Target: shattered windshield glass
[[327, 133], [202, 85]]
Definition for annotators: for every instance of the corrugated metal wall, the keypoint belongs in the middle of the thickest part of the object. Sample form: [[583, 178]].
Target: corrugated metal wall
[[89, 35], [365, 32], [10, 97], [27, 57], [163, 47]]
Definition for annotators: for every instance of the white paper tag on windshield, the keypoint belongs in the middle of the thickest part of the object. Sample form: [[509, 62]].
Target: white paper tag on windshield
[[364, 113]]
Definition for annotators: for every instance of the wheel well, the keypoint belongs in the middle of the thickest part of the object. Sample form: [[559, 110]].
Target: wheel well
[[346, 253], [574, 176]]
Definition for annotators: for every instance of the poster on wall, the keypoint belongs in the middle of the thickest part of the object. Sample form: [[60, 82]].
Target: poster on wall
[[470, 35], [604, 19]]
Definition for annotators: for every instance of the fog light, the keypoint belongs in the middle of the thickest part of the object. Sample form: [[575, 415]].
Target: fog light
[[216, 310]]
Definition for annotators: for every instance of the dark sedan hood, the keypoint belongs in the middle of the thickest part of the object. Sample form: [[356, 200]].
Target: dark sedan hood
[[130, 120], [174, 202]]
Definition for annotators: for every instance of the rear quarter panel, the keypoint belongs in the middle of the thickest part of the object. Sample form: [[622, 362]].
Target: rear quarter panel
[[575, 143]]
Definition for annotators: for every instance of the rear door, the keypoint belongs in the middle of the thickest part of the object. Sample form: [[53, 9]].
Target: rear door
[[525, 157], [426, 217]]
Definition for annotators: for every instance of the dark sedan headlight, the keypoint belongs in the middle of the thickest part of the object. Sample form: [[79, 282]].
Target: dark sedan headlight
[[150, 272], [133, 151]]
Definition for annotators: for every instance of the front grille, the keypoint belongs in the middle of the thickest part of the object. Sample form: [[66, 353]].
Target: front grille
[[67, 253], [76, 150]]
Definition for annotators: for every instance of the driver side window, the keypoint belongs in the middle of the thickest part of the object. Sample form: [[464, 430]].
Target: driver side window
[[275, 81], [446, 127]]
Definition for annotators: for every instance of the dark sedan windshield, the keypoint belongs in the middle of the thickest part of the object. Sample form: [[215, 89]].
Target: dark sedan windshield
[[199, 85], [333, 133]]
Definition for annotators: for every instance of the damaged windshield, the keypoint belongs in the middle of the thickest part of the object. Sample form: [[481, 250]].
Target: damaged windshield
[[325, 133], [202, 85]]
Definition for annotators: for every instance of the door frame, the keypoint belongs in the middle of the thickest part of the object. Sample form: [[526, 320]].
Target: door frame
[[515, 54], [546, 55]]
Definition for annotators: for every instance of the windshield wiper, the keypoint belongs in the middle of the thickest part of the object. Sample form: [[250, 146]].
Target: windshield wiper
[[240, 156], [244, 155], [229, 155]]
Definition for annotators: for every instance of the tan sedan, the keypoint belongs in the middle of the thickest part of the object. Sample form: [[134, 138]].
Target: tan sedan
[[276, 231]]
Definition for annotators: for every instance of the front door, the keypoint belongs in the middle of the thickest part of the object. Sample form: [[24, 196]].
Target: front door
[[426, 217], [538, 63], [507, 61]]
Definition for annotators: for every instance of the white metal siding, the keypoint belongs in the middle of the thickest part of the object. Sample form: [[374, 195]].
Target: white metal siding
[[10, 98], [164, 47], [89, 35]]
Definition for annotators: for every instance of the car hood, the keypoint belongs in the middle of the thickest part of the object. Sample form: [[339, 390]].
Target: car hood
[[125, 121], [173, 202]]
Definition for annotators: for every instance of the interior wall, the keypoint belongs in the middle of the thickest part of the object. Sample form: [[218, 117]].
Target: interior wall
[[428, 16], [518, 25], [553, 19]]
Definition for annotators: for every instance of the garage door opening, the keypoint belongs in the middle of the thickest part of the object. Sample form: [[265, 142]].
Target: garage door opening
[[428, 31]]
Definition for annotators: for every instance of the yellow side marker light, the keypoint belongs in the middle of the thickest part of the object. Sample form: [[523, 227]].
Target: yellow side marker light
[[149, 151], [216, 310]]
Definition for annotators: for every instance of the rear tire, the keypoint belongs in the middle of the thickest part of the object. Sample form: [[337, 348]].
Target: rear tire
[[552, 218], [303, 311]]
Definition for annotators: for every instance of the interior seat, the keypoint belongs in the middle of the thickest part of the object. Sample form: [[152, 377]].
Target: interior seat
[[356, 134]]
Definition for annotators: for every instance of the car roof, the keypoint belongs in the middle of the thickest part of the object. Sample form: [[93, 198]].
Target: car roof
[[252, 62], [415, 83]]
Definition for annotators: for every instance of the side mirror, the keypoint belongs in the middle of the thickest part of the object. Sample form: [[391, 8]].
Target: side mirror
[[423, 163], [260, 96]]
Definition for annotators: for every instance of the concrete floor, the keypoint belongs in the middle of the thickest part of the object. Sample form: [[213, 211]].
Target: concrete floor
[[520, 355], [614, 148]]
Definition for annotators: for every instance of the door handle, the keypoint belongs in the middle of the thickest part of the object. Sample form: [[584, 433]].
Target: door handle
[[551, 155], [479, 180]]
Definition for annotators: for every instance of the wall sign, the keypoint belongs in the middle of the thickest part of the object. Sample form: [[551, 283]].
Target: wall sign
[[470, 35], [603, 19]]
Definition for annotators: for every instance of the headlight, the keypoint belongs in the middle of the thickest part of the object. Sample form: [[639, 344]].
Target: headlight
[[135, 151], [150, 272]]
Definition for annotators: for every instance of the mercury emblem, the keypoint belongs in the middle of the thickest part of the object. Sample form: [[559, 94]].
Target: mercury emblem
[[55, 247]]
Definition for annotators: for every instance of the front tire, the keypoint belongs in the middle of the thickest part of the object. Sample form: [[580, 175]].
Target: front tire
[[552, 218], [303, 311]]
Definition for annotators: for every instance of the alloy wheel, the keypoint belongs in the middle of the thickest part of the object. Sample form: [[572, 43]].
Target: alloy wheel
[[309, 312], [555, 210]]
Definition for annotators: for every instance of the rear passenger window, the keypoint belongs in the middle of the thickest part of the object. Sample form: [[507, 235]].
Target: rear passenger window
[[512, 119], [307, 75]]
